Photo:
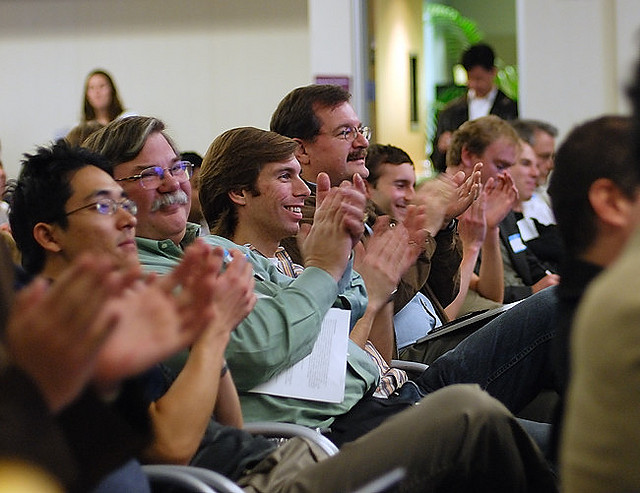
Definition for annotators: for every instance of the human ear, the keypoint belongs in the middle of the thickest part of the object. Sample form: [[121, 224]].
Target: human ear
[[238, 197], [45, 235], [468, 159], [609, 203], [301, 153]]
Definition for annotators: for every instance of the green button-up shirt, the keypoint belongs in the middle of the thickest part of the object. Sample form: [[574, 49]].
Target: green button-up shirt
[[281, 330]]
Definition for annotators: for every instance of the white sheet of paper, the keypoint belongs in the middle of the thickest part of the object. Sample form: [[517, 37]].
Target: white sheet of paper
[[321, 375]]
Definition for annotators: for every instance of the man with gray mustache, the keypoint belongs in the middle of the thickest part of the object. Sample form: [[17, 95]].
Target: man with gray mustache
[[171, 198], [148, 165]]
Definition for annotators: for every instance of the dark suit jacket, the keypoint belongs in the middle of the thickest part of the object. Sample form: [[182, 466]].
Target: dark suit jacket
[[457, 112], [525, 263]]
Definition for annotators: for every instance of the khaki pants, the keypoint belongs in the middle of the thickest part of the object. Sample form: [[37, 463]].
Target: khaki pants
[[456, 439]]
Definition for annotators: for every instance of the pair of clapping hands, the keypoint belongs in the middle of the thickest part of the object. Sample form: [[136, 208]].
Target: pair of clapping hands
[[98, 325], [338, 227]]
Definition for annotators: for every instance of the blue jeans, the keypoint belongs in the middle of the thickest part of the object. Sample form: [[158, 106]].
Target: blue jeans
[[510, 357]]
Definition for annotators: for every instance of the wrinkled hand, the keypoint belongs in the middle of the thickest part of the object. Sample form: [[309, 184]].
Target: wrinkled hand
[[434, 197], [337, 225], [545, 282], [385, 257], [501, 195], [414, 222], [467, 190], [234, 297], [472, 226], [55, 333], [354, 200], [155, 319]]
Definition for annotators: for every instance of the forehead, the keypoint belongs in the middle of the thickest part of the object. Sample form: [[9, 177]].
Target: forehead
[[479, 72], [502, 147], [90, 181], [526, 152], [543, 140], [334, 117], [290, 164], [98, 79], [403, 171], [156, 152]]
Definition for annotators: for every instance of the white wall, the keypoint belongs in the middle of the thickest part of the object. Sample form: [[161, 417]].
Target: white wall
[[201, 65], [575, 57]]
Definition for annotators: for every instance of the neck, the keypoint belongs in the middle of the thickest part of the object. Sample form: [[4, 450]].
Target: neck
[[265, 245], [605, 250], [102, 116], [54, 267]]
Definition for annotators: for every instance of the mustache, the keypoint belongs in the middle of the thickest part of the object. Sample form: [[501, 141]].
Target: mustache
[[177, 197], [355, 155]]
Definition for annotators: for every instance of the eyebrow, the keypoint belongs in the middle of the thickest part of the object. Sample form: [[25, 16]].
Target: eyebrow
[[98, 194], [141, 167], [347, 125]]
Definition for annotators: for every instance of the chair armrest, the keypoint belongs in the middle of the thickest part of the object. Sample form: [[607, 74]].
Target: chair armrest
[[272, 429], [164, 473], [409, 366]]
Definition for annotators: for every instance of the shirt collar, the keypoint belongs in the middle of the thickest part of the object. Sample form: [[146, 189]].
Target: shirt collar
[[491, 96]]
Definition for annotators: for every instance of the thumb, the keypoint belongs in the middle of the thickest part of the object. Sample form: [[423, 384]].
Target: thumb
[[303, 232], [323, 185]]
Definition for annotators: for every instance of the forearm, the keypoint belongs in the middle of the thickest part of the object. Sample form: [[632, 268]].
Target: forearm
[[182, 414], [491, 276], [467, 265], [444, 277], [281, 329], [227, 410], [362, 329], [382, 334]]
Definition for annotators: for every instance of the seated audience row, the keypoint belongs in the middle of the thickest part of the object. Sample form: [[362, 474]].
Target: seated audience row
[[252, 299]]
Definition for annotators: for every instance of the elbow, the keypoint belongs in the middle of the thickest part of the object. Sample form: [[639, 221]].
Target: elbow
[[170, 452]]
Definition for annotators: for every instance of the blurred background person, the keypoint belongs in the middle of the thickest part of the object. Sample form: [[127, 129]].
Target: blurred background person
[[195, 213], [101, 100]]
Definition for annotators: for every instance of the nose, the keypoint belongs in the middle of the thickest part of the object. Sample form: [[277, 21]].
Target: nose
[[409, 194], [126, 219], [360, 142], [535, 171], [300, 188], [169, 183]]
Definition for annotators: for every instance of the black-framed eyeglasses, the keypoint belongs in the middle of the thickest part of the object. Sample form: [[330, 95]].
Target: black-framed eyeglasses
[[350, 133], [109, 207], [151, 177]]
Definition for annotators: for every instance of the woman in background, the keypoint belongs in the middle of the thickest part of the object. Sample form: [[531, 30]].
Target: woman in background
[[101, 101]]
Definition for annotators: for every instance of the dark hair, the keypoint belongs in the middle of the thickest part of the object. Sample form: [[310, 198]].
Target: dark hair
[[599, 148], [481, 55], [527, 129], [193, 157], [115, 107], [378, 154], [41, 193], [633, 92], [232, 163], [295, 116], [123, 139], [524, 129]]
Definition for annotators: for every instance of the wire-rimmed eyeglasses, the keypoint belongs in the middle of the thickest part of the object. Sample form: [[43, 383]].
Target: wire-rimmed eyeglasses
[[151, 177]]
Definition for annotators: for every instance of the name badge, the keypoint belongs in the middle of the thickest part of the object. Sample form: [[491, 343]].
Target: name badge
[[527, 228], [516, 243]]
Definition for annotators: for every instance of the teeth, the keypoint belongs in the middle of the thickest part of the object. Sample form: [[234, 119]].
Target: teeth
[[294, 209]]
